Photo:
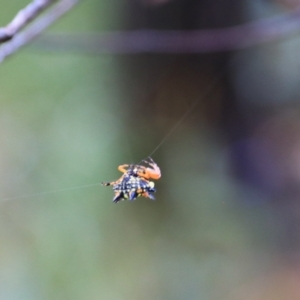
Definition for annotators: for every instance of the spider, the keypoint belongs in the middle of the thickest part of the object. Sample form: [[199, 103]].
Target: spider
[[135, 181]]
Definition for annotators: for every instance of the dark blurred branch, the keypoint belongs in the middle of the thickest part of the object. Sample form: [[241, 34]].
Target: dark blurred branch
[[159, 41], [14, 39]]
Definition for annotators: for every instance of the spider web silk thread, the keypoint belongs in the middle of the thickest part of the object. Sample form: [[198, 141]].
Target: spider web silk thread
[[189, 111], [48, 192], [184, 116]]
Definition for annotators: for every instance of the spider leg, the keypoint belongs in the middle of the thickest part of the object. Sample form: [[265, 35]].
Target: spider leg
[[151, 197], [123, 168], [148, 195], [112, 182], [149, 161]]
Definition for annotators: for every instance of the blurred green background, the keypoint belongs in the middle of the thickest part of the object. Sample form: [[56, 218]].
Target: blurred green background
[[225, 224]]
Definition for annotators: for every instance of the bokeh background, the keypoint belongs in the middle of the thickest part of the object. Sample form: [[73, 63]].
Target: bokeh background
[[226, 222]]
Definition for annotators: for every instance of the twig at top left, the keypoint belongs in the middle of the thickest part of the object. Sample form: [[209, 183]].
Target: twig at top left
[[14, 37]]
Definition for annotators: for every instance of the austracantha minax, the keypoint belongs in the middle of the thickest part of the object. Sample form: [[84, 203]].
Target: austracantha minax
[[135, 181]]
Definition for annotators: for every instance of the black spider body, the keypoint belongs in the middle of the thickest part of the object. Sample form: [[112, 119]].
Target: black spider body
[[135, 181], [131, 187]]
